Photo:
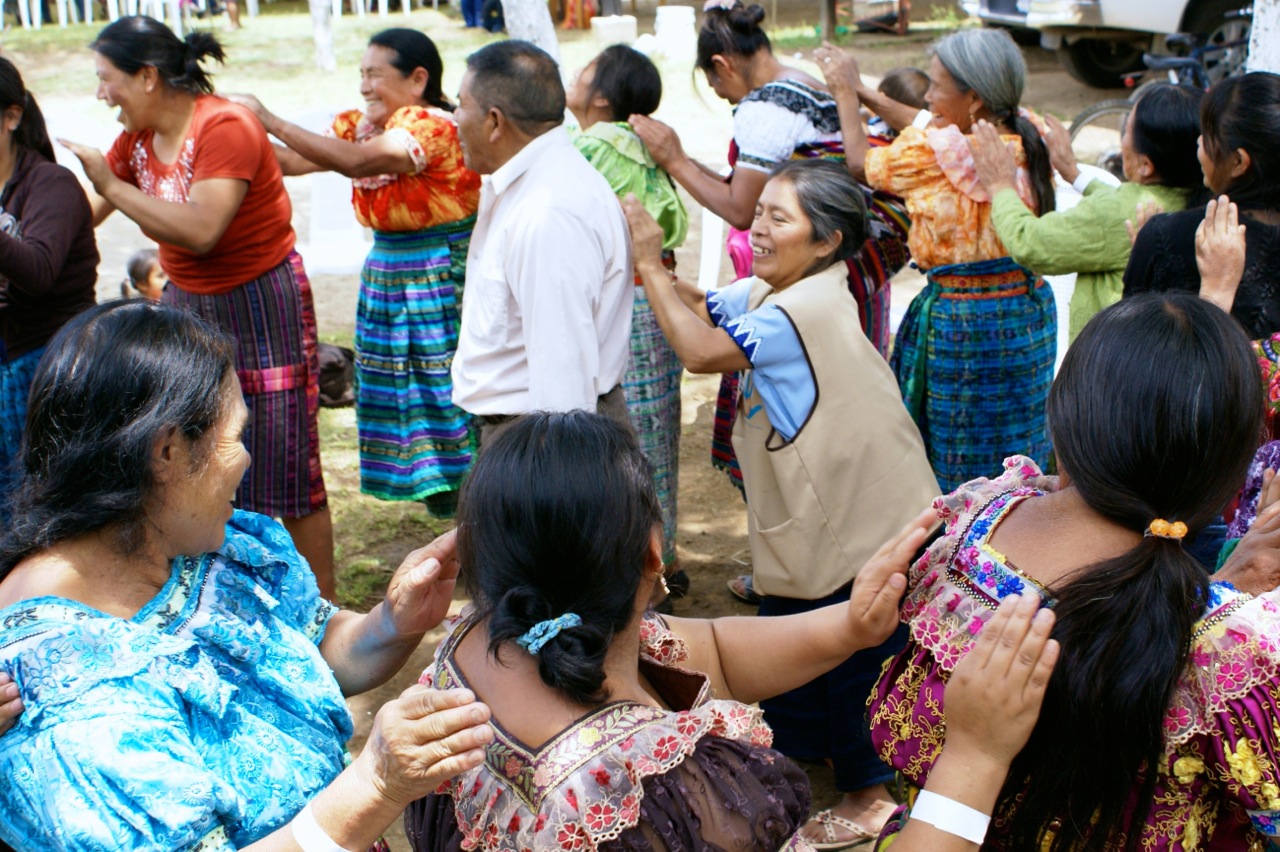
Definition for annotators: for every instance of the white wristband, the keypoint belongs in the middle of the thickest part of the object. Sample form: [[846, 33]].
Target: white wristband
[[1082, 181], [310, 836], [950, 816]]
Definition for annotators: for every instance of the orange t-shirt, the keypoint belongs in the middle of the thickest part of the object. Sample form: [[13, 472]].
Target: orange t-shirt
[[225, 141], [440, 190]]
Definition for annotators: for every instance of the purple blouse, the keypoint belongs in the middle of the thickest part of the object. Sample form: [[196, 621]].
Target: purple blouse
[[1219, 783]]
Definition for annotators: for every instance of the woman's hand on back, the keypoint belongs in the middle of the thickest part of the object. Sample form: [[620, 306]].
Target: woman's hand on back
[[1220, 249], [992, 159], [1058, 140], [421, 589], [94, 164], [422, 739], [993, 698], [878, 588], [1145, 212], [839, 69], [663, 143], [646, 235]]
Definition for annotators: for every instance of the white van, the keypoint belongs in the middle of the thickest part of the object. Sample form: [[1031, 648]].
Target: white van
[[1099, 41]]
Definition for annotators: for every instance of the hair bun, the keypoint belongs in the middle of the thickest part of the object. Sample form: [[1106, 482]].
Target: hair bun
[[746, 19]]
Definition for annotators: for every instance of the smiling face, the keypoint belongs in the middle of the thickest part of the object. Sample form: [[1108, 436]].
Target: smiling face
[[127, 92], [384, 88], [201, 480], [474, 129], [782, 244], [945, 99]]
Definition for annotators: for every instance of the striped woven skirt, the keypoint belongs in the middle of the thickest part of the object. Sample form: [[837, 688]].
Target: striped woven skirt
[[414, 442], [652, 388], [974, 359], [16, 377], [273, 322]]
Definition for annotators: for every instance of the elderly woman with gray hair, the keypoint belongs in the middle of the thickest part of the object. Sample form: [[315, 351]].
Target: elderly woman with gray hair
[[831, 462], [974, 356]]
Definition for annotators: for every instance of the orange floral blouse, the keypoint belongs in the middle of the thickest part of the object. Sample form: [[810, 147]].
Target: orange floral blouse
[[440, 190], [950, 210]]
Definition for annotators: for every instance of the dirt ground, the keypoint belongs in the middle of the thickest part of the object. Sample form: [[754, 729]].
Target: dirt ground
[[712, 524]]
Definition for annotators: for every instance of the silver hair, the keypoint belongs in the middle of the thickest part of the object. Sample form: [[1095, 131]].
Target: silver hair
[[987, 62]]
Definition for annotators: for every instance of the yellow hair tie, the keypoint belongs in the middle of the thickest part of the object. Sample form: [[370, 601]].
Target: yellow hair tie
[[1163, 529]]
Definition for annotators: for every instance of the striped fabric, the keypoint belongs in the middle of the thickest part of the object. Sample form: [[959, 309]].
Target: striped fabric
[[273, 322], [413, 441], [974, 360], [15, 388], [652, 388]]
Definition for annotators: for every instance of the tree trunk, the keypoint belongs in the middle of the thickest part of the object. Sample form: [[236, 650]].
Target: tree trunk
[[322, 29], [1264, 38], [530, 20]]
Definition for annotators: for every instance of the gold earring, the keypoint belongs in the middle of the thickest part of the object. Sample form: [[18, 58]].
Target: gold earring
[[662, 581]]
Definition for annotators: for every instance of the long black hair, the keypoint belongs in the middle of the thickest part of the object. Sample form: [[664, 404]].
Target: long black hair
[[412, 50], [135, 42], [988, 63], [557, 517], [112, 382], [1165, 127], [735, 31], [31, 133], [1244, 112], [1156, 413]]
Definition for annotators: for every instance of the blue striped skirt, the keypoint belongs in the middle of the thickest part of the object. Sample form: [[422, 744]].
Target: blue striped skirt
[[414, 442], [974, 359]]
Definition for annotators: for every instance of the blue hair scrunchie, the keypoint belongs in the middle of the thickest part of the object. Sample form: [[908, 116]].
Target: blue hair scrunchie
[[544, 631]]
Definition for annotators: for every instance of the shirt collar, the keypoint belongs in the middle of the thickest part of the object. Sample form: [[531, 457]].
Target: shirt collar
[[511, 171]]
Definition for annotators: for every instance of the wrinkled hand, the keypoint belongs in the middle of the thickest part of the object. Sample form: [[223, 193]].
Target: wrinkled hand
[[421, 589], [422, 739], [839, 69], [992, 160], [646, 234], [94, 164], [1058, 140], [1254, 566], [877, 590], [10, 703], [251, 103], [1220, 252], [662, 142], [993, 699], [1147, 210]]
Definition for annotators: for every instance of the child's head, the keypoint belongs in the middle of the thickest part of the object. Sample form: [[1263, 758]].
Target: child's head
[[145, 279], [906, 86], [621, 80]]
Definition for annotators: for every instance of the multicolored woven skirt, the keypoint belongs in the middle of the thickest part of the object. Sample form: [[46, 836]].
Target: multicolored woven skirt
[[273, 322], [414, 442], [974, 360], [15, 388], [652, 388]]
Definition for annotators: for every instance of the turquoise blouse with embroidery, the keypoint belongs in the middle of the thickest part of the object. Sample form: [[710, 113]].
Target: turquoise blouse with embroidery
[[204, 722]]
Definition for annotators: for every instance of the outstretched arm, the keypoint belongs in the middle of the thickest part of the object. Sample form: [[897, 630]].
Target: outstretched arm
[[681, 309], [840, 70], [381, 155], [751, 658], [733, 201]]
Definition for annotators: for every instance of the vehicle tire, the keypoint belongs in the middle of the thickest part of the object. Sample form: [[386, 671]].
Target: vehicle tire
[[1101, 63], [1210, 17], [1096, 132]]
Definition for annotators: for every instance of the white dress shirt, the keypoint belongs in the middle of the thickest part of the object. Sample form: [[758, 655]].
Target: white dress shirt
[[546, 311]]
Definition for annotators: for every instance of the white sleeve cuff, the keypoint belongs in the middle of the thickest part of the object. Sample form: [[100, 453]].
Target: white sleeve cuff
[[1082, 180]]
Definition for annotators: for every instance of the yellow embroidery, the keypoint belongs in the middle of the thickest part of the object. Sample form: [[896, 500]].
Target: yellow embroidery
[[1245, 766], [1187, 768]]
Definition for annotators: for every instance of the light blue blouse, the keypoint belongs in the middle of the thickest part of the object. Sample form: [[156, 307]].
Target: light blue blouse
[[205, 722], [781, 380]]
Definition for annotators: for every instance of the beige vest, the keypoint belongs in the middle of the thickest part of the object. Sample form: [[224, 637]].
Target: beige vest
[[856, 472]]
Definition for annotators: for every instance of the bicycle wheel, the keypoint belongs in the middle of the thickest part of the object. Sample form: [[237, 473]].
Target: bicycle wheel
[[1096, 132]]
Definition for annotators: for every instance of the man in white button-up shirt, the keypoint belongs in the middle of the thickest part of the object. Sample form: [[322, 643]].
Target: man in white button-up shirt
[[546, 313]]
